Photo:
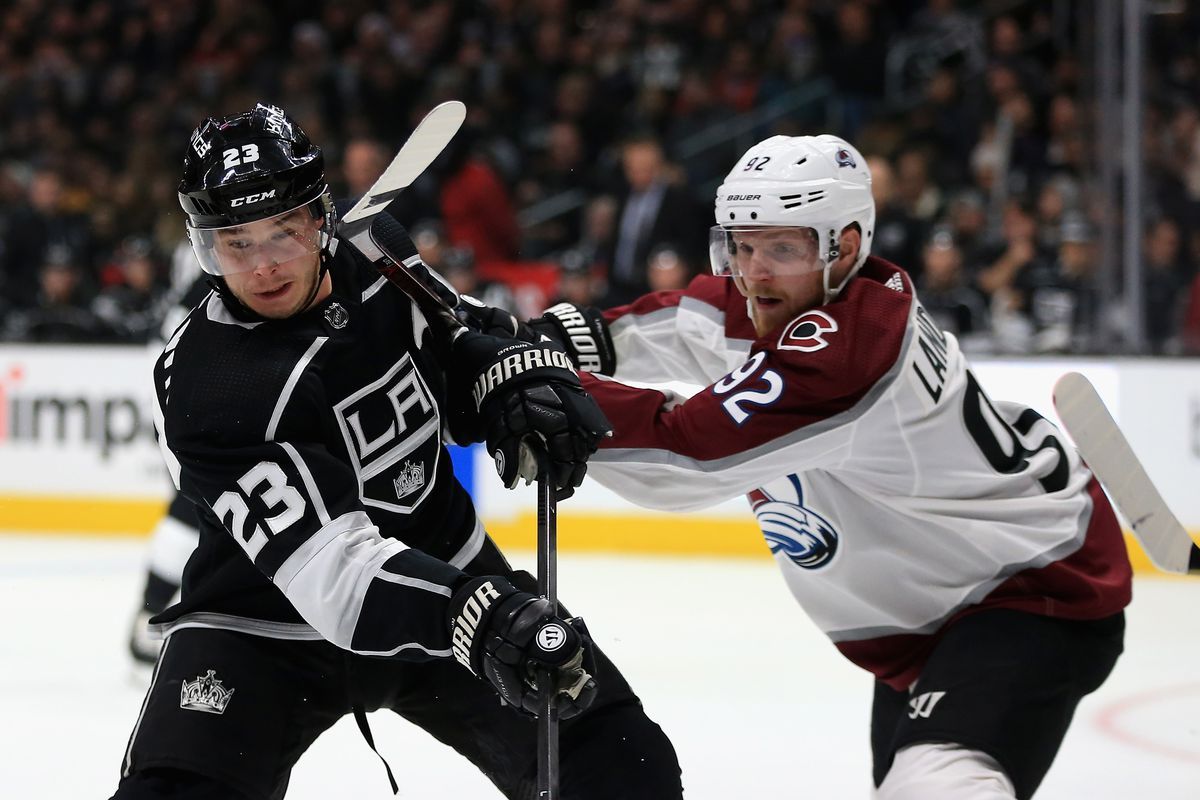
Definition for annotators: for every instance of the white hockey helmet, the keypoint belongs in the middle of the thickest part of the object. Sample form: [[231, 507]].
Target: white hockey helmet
[[818, 182]]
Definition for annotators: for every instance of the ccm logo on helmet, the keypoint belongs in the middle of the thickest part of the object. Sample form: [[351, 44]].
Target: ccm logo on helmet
[[251, 198]]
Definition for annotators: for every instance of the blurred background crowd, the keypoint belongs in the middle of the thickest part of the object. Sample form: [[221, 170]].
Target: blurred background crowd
[[596, 136]]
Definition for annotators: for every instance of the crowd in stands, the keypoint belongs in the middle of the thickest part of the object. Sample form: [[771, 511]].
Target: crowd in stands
[[596, 134]]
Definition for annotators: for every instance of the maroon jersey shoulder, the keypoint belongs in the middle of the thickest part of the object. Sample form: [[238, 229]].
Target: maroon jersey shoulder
[[835, 353]]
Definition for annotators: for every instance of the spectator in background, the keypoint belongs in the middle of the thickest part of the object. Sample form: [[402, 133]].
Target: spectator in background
[[1060, 298], [898, 234], [737, 82], [134, 307], [577, 282], [1055, 201], [914, 188], [363, 161], [855, 62], [1165, 281], [666, 271], [476, 206], [947, 294], [966, 216], [457, 266], [561, 168], [1014, 251], [594, 247], [32, 231], [61, 313], [652, 212]]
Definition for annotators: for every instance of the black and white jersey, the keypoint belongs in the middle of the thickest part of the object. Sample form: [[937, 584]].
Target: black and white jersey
[[313, 448]]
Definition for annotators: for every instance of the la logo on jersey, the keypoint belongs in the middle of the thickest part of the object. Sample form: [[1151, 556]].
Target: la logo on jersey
[[392, 433], [805, 537], [807, 332]]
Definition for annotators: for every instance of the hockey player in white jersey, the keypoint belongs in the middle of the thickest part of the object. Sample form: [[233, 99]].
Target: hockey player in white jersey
[[952, 545]]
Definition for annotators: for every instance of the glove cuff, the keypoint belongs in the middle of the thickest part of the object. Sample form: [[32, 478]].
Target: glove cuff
[[471, 608]]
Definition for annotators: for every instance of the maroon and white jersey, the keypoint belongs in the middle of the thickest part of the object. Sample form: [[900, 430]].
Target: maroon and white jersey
[[893, 492]]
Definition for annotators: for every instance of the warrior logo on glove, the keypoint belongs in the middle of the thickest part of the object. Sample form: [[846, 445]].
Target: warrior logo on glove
[[514, 360], [551, 637]]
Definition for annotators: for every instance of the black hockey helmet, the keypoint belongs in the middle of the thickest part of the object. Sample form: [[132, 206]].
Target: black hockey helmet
[[249, 167]]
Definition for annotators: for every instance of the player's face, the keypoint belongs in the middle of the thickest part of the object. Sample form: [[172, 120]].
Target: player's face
[[779, 272], [271, 266]]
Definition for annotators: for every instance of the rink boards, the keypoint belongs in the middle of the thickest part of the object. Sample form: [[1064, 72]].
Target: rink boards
[[77, 452]]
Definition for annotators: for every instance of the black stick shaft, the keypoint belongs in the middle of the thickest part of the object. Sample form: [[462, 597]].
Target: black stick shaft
[[548, 588]]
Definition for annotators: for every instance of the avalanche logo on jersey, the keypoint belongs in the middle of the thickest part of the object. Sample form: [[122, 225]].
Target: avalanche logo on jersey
[[806, 332], [791, 528]]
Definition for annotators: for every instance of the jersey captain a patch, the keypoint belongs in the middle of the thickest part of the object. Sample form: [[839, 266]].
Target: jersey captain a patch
[[392, 432]]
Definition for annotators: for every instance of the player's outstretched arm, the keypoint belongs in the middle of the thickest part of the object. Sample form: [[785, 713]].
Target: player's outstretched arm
[[512, 639]]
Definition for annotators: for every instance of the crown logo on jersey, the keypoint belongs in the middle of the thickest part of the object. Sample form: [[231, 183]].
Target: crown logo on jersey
[[410, 479], [206, 694]]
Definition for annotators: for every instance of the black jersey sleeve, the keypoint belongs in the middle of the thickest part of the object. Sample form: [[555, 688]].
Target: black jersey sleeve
[[294, 510]]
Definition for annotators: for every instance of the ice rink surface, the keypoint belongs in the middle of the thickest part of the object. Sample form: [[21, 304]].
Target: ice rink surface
[[757, 702]]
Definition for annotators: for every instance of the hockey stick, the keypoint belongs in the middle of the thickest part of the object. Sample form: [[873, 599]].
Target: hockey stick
[[547, 547], [1109, 456], [359, 225], [367, 230], [424, 144]]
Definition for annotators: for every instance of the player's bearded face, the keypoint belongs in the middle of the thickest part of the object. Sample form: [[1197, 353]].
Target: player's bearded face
[[271, 266], [779, 272]]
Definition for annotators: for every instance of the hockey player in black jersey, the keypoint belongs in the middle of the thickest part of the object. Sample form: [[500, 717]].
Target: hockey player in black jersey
[[341, 568]]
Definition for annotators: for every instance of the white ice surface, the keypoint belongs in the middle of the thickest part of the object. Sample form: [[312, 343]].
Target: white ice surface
[[757, 703]]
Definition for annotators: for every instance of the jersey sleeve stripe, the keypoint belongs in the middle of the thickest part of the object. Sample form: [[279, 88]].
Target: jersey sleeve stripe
[[310, 484], [370, 291], [416, 583], [290, 385], [472, 547]]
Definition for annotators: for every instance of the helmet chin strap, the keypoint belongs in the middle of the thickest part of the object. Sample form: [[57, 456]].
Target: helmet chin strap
[[329, 244]]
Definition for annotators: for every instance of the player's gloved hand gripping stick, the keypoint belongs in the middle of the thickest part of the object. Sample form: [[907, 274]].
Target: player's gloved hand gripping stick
[[529, 404]]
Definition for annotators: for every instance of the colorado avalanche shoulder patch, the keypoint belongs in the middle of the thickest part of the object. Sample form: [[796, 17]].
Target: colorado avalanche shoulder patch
[[807, 332]]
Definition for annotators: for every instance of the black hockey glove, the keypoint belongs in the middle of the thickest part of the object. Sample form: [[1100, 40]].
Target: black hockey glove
[[515, 641], [581, 331], [526, 402], [491, 320]]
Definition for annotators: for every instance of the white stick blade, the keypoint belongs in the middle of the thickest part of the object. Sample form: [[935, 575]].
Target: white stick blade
[[1108, 454], [424, 145]]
